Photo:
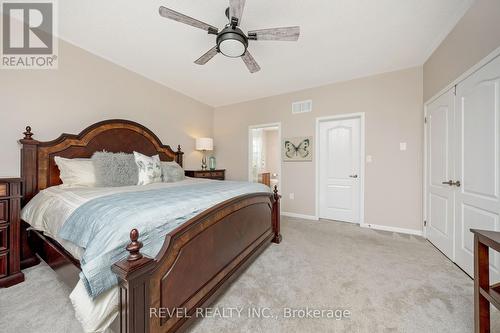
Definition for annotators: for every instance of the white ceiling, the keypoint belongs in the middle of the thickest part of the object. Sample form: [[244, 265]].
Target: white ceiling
[[340, 40]]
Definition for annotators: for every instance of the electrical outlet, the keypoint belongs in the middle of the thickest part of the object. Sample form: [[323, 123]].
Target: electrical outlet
[[292, 196], [369, 158], [402, 146]]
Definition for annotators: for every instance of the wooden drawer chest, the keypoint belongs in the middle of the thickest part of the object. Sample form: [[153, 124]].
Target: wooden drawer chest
[[10, 206], [209, 174]]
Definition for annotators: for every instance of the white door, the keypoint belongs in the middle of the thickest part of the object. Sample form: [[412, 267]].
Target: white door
[[440, 169], [339, 169], [477, 202]]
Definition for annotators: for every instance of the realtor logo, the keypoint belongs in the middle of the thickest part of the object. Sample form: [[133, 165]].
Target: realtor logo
[[28, 35]]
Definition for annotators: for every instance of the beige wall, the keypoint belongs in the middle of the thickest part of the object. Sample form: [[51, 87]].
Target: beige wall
[[475, 36], [272, 152], [86, 89], [393, 106]]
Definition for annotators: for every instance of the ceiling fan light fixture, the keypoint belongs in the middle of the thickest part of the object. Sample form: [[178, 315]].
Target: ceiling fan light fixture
[[232, 42], [232, 48]]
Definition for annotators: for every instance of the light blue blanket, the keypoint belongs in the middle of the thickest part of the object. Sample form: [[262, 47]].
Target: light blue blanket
[[101, 226]]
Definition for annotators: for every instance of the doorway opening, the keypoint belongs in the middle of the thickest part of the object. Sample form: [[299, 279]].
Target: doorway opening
[[340, 168], [264, 157]]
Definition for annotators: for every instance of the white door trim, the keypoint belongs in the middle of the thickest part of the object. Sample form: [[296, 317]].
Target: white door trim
[[250, 149], [361, 117], [425, 175]]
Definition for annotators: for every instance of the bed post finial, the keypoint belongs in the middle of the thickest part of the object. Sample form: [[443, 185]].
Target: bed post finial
[[134, 276], [134, 247], [178, 155], [29, 165], [28, 134], [276, 216]]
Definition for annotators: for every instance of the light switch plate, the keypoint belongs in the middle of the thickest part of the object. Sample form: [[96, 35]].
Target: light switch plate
[[369, 158], [292, 196], [402, 146]]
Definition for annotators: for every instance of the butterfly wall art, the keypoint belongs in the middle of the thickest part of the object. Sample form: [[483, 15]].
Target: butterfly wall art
[[297, 149]]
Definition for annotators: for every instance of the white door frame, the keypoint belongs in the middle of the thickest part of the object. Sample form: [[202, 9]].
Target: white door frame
[[425, 175], [250, 150], [361, 117]]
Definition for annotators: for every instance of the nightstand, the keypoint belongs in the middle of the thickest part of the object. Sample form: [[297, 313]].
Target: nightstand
[[10, 232], [209, 174]]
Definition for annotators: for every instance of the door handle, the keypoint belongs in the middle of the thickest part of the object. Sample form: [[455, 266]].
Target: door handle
[[452, 183], [353, 176]]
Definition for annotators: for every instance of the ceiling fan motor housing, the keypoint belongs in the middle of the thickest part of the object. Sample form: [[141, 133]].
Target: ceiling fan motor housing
[[232, 42]]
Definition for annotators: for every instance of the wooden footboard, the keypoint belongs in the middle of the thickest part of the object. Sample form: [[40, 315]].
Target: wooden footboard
[[197, 261]]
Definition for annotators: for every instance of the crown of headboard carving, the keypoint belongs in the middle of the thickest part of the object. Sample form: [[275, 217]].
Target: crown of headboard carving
[[39, 171]]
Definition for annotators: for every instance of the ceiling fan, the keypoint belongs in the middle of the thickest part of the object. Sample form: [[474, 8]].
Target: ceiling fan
[[231, 40]]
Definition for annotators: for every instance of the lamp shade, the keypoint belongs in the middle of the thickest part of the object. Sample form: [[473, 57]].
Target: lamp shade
[[204, 144]]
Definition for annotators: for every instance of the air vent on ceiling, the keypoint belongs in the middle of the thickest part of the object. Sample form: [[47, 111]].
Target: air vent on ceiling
[[302, 106]]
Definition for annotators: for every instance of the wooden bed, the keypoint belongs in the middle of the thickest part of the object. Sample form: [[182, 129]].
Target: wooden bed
[[198, 259]]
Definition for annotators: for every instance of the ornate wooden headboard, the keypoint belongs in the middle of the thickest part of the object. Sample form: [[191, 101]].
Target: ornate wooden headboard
[[39, 170]]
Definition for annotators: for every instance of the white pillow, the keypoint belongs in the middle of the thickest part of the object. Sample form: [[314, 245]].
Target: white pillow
[[149, 168], [76, 171]]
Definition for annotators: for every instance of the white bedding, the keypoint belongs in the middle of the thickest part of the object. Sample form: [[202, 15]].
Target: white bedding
[[48, 211]]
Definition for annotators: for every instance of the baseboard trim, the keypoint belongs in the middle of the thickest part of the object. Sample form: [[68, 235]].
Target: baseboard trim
[[392, 229], [300, 216]]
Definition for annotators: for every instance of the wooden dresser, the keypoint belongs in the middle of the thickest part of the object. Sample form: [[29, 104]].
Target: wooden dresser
[[484, 292], [10, 206], [209, 174]]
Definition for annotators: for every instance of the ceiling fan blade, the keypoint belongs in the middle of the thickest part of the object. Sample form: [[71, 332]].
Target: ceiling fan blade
[[252, 65], [207, 56], [236, 9], [173, 15], [285, 34]]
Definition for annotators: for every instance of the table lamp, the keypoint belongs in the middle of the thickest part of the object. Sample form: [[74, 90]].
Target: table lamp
[[204, 144]]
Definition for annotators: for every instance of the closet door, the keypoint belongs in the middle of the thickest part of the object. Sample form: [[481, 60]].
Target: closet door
[[440, 171], [477, 203]]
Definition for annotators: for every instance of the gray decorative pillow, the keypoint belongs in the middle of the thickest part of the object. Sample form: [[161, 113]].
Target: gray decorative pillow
[[115, 169], [172, 172]]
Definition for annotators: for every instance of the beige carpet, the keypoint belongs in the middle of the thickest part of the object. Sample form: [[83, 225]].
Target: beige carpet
[[388, 282]]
